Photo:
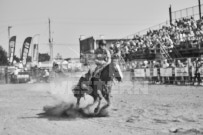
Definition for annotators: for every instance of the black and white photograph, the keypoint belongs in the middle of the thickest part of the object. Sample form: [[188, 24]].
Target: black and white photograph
[[101, 67]]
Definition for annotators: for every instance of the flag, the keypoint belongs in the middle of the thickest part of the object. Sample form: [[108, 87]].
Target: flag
[[12, 43], [35, 48], [25, 50]]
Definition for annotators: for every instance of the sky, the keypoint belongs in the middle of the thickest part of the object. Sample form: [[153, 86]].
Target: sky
[[72, 18]]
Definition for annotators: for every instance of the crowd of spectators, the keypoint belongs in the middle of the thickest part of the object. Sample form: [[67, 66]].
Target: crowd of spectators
[[179, 63], [186, 32]]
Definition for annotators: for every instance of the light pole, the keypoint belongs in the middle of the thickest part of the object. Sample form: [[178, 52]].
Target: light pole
[[200, 13]]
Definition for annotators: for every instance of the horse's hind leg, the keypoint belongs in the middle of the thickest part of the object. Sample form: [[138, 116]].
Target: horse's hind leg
[[108, 102], [78, 102]]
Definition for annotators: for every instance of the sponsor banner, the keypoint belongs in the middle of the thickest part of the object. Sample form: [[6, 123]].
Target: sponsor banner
[[154, 73], [148, 72], [35, 48], [74, 66], [139, 73], [25, 50], [166, 72], [151, 72], [182, 71], [201, 71], [12, 43]]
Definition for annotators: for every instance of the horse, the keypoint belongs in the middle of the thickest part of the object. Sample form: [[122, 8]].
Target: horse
[[99, 86]]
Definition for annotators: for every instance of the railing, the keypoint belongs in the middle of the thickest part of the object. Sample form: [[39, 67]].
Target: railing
[[187, 12], [176, 52], [165, 53], [142, 32], [181, 71]]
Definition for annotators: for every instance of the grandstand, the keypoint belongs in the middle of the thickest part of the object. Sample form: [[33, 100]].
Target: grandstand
[[181, 38]]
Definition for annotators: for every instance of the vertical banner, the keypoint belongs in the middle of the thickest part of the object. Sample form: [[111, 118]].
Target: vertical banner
[[25, 50], [35, 49], [12, 43]]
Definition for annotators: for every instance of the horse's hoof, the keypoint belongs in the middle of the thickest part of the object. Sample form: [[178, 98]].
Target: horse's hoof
[[77, 106]]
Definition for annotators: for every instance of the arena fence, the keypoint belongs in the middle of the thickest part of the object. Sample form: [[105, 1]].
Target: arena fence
[[177, 71]]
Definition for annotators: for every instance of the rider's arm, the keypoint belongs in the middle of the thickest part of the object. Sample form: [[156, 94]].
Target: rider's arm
[[97, 61]]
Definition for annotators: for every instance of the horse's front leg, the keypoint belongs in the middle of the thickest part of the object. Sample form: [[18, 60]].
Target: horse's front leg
[[78, 102], [99, 98], [108, 96]]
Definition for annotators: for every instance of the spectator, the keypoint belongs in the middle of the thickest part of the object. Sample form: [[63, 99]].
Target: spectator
[[46, 75], [197, 66], [165, 64]]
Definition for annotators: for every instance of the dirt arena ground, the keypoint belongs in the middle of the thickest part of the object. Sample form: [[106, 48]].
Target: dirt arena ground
[[137, 109]]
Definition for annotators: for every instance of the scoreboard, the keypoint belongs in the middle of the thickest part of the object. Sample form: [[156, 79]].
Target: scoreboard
[[87, 47]]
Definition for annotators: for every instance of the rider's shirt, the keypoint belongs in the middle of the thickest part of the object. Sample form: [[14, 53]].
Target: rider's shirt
[[102, 56]]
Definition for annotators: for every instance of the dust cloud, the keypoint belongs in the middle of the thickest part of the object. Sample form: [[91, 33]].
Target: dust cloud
[[65, 102]]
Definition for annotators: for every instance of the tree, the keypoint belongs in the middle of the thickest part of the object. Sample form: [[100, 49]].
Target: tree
[[44, 57], [15, 58], [3, 56]]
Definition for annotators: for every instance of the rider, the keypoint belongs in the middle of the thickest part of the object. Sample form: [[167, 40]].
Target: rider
[[102, 57]]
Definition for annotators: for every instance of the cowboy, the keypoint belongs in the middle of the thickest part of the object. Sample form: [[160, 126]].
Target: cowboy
[[102, 57]]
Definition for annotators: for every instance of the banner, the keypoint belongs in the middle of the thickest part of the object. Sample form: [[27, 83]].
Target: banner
[[201, 71], [166, 72], [148, 72], [25, 50], [35, 49], [139, 73], [182, 71], [155, 72], [151, 72], [12, 43]]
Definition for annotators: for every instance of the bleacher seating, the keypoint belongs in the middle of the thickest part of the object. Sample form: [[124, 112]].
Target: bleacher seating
[[184, 38]]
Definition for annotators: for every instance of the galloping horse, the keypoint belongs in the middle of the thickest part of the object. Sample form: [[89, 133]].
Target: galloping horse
[[98, 87]]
